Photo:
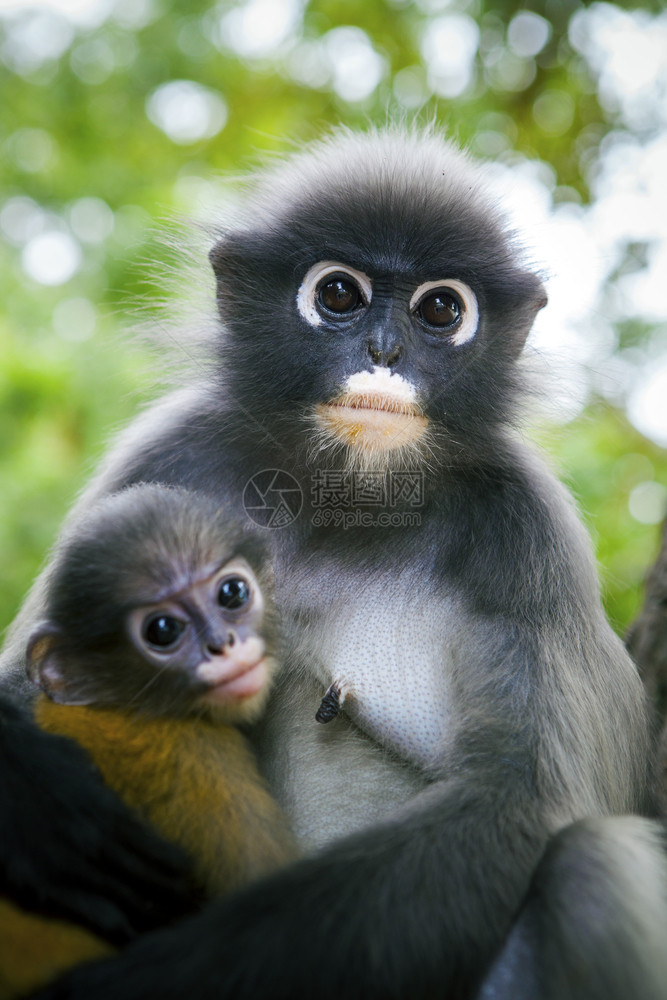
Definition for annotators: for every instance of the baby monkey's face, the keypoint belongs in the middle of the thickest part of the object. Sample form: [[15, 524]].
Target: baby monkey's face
[[211, 630], [201, 642]]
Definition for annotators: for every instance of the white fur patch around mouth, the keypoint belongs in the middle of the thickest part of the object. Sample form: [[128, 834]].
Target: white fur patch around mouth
[[380, 384], [376, 409]]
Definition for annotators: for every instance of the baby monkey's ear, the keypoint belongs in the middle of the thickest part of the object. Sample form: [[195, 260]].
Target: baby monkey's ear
[[45, 661]]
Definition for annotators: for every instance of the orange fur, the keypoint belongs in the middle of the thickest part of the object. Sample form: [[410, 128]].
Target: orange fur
[[35, 949], [194, 779]]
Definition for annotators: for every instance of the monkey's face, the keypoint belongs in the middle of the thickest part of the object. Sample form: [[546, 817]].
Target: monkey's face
[[208, 634], [201, 645], [381, 414], [379, 302]]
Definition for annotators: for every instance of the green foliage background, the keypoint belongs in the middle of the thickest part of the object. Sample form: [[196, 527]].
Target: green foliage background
[[61, 397]]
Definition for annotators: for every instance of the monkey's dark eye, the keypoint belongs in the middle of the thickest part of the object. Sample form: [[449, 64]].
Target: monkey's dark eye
[[162, 631], [233, 593], [339, 296], [441, 310]]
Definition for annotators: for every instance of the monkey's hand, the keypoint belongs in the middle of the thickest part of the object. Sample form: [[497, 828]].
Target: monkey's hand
[[70, 848]]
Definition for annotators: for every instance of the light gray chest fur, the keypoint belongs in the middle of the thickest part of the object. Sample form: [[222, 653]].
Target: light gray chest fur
[[389, 650]]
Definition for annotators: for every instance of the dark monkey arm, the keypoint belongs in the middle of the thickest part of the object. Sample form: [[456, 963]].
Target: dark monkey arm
[[70, 848], [414, 908]]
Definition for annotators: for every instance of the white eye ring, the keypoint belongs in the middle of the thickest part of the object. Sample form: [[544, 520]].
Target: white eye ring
[[470, 315], [305, 297]]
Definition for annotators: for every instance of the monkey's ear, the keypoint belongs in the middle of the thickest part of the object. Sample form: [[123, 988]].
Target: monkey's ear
[[533, 298], [216, 255], [232, 252], [222, 254], [221, 257], [44, 661], [540, 297]]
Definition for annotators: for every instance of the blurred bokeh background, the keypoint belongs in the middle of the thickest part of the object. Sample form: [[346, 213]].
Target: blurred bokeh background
[[116, 115]]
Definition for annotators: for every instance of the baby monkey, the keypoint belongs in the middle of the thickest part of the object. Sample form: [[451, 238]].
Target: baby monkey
[[160, 639]]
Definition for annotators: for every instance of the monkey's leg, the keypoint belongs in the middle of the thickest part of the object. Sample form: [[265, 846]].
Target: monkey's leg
[[593, 925]]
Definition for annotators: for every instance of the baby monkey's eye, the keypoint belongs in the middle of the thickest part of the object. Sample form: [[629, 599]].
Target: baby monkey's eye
[[233, 593], [162, 631], [339, 295]]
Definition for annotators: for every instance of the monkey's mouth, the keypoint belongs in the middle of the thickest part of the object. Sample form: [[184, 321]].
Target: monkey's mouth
[[375, 419], [229, 682]]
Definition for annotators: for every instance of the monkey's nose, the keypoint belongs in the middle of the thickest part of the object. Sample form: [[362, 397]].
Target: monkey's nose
[[387, 358], [217, 644], [393, 356]]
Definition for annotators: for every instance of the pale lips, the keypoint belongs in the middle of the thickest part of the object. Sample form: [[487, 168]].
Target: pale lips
[[391, 420], [235, 674]]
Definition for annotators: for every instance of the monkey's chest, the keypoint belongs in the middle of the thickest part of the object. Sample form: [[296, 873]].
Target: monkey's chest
[[388, 640], [330, 780], [388, 655]]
